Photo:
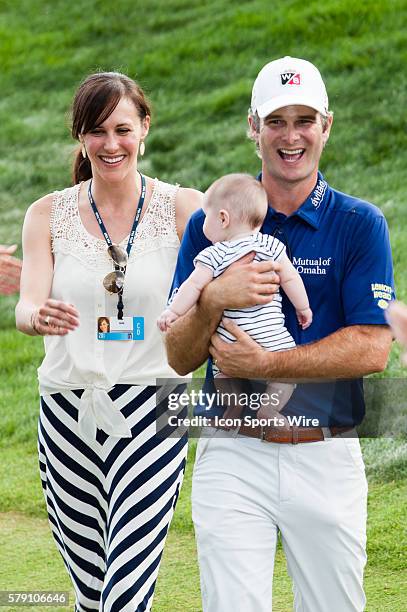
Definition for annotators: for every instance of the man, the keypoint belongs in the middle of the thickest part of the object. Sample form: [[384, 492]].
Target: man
[[10, 270], [307, 484]]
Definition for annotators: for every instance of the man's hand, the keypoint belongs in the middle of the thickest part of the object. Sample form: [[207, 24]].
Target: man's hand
[[10, 270], [241, 359], [245, 283], [350, 352]]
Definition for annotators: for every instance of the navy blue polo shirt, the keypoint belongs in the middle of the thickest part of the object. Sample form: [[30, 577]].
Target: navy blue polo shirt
[[340, 247]]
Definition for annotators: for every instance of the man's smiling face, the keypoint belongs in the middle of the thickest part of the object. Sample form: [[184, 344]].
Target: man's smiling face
[[291, 140]]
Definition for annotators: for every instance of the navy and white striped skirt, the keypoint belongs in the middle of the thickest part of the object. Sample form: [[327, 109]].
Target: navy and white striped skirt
[[110, 502]]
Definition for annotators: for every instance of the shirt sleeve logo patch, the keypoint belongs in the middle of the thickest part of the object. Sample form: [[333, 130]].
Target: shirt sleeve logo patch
[[382, 293]]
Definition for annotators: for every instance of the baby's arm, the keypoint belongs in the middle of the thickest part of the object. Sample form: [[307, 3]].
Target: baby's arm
[[189, 292], [294, 288], [187, 296]]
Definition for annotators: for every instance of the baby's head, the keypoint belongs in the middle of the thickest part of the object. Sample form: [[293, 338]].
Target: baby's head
[[235, 204]]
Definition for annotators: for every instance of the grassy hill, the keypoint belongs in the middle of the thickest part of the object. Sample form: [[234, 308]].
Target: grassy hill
[[197, 60]]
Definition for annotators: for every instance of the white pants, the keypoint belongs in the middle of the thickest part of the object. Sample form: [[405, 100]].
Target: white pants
[[245, 491]]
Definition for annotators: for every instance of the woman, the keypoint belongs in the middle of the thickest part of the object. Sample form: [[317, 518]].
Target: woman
[[110, 484], [103, 325]]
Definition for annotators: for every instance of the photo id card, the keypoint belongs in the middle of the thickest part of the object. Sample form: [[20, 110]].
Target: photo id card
[[128, 328]]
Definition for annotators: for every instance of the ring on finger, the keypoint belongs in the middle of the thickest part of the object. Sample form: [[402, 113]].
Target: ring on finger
[[46, 320]]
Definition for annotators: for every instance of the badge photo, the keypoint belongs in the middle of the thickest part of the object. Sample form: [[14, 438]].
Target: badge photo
[[126, 328]]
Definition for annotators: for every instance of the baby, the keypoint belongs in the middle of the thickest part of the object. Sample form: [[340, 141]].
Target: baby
[[235, 207]]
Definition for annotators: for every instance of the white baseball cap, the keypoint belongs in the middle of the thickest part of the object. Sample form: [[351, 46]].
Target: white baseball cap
[[288, 81]]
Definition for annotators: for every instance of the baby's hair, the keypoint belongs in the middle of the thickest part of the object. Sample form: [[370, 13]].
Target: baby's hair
[[242, 196]]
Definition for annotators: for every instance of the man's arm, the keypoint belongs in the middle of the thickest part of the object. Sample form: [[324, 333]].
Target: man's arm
[[10, 270], [350, 352], [187, 340], [360, 347], [245, 283]]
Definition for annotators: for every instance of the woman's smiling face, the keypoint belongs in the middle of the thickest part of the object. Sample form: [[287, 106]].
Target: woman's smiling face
[[112, 147], [104, 326]]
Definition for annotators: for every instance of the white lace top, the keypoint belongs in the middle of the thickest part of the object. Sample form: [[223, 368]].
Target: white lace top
[[79, 360]]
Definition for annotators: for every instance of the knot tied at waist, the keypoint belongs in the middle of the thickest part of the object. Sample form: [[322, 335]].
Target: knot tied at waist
[[98, 411]]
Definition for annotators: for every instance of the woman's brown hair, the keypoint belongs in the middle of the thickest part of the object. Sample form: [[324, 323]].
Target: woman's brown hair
[[96, 98]]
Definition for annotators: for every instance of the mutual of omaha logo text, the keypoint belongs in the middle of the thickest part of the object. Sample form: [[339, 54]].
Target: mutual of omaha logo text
[[318, 266]]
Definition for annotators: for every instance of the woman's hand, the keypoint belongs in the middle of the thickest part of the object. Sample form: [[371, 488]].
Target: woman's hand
[[55, 318]]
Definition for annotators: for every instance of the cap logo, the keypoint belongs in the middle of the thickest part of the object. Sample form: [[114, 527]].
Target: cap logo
[[290, 78]]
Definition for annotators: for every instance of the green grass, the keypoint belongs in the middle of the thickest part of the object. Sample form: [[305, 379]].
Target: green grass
[[29, 559], [32, 561], [197, 60]]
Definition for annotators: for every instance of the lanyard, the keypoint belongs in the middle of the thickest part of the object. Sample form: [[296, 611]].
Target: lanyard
[[132, 233]]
